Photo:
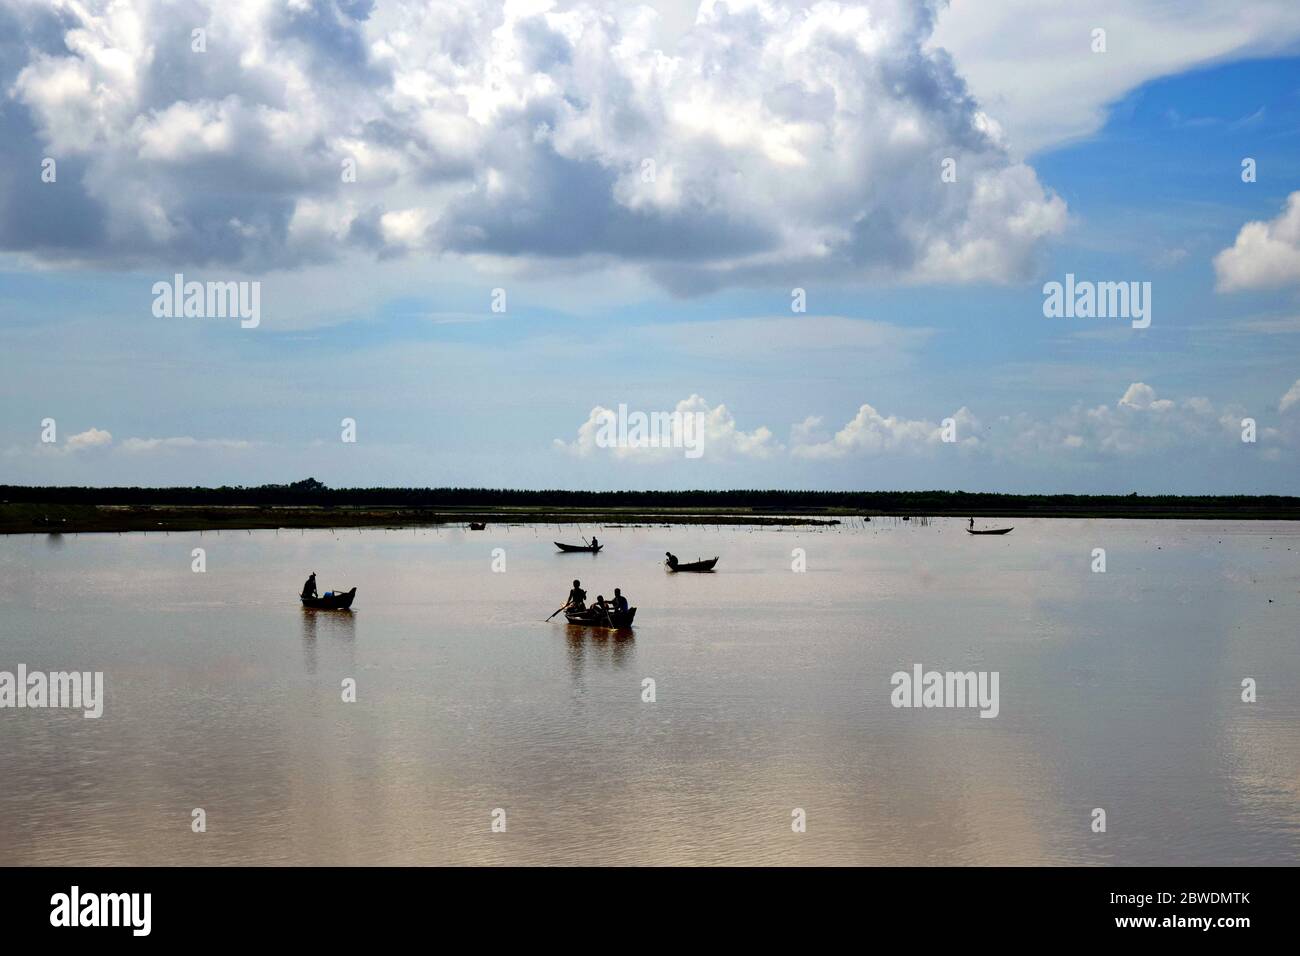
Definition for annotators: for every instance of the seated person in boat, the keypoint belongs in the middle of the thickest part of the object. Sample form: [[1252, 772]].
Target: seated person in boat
[[577, 598], [601, 607], [309, 589], [672, 559], [595, 545], [620, 602]]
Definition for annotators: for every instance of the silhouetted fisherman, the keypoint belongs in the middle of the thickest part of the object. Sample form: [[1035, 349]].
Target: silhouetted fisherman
[[620, 602], [309, 589], [577, 597]]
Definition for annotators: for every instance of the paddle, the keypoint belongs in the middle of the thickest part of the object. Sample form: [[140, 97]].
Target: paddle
[[557, 610]]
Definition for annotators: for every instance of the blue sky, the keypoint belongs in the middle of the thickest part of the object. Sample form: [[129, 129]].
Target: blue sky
[[791, 151]]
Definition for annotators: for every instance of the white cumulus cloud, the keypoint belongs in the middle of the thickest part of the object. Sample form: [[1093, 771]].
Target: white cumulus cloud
[[870, 432], [712, 429], [90, 438], [1139, 423], [1265, 255], [775, 141]]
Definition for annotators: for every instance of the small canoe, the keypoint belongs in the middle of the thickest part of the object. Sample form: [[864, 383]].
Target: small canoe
[[594, 618], [338, 601], [578, 547], [697, 566], [989, 530], [477, 526]]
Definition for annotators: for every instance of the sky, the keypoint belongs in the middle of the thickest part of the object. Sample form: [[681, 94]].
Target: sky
[[477, 229]]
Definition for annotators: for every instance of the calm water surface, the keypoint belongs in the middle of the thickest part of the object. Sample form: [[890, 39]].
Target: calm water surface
[[1118, 690]]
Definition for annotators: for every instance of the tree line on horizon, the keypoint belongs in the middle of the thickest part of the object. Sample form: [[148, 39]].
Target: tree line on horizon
[[309, 492]]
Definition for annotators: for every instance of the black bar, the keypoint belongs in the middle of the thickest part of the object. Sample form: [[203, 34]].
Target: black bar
[[335, 905]]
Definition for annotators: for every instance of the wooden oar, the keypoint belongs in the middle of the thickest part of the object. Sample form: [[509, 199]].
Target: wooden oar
[[557, 610]]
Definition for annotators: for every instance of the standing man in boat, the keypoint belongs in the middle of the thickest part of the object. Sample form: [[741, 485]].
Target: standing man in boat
[[577, 597], [972, 524], [309, 589]]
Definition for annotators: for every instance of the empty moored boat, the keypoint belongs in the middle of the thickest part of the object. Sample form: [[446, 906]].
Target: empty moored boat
[[578, 547], [593, 617], [697, 566], [331, 600]]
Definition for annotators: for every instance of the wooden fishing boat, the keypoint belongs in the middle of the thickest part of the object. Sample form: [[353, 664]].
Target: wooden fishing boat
[[990, 530], [698, 567], [336, 601], [595, 618], [477, 525], [578, 547]]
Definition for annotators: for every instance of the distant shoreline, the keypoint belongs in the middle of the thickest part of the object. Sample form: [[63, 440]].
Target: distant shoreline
[[309, 504]]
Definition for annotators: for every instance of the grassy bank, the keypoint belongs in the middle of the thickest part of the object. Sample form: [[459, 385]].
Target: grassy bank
[[37, 517]]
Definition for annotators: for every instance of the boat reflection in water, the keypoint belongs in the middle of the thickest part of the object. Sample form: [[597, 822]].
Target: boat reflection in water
[[602, 646], [339, 625]]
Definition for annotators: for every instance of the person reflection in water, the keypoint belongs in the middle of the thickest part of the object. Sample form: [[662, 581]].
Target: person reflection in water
[[309, 642]]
